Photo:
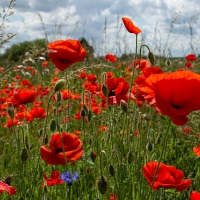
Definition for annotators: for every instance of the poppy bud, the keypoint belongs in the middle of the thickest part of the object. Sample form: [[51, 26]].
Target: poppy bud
[[158, 139], [85, 108], [89, 115], [124, 105], [53, 125], [46, 140], [104, 90], [83, 114], [45, 189], [24, 154], [130, 157], [149, 146], [112, 170], [168, 62], [146, 117], [93, 156], [59, 85], [151, 58], [40, 132], [11, 113], [102, 184]]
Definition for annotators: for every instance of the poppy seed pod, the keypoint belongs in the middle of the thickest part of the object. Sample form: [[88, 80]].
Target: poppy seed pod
[[59, 85], [151, 58], [102, 184], [124, 105]]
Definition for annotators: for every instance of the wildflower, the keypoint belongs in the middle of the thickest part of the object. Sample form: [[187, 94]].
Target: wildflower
[[64, 147], [167, 177], [188, 64], [38, 112], [23, 96], [44, 64], [117, 91], [191, 57], [69, 177], [130, 27], [164, 91], [111, 58], [113, 196], [195, 195], [64, 53], [196, 150], [53, 180], [186, 130], [6, 187]]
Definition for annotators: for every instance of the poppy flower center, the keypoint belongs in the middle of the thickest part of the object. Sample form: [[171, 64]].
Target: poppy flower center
[[175, 106], [111, 93], [59, 150], [64, 61]]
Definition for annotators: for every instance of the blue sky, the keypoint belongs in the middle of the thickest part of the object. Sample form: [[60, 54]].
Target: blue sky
[[170, 25]]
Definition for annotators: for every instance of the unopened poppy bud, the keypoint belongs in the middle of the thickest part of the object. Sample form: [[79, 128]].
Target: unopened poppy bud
[[104, 90], [11, 113], [59, 85], [83, 114], [53, 125], [45, 189], [24, 154], [102, 184], [54, 110], [93, 156], [146, 117], [40, 132], [149, 146], [89, 115], [124, 105], [168, 62], [151, 58], [85, 108], [158, 139], [130, 157], [112, 170]]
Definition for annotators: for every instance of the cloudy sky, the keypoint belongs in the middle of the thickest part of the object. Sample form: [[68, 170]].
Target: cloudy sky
[[173, 26]]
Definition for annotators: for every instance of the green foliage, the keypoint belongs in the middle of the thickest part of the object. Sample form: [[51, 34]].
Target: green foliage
[[16, 51]]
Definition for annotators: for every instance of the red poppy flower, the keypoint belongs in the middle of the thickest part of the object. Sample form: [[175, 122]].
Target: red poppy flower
[[166, 90], [117, 90], [113, 196], [53, 180], [191, 57], [196, 150], [111, 58], [63, 147], [194, 195], [64, 53], [23, 96], [91, 77], [38, 112], [5, 187], [167, 177], [44, 64], [130, 27]]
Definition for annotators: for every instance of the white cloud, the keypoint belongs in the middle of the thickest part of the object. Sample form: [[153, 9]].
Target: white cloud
[[67, 18]]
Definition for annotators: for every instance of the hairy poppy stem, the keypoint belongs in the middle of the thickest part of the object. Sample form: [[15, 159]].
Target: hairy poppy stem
[[162, 153], [45, 123]]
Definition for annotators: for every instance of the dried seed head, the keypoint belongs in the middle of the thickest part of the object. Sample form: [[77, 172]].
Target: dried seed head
[[102, 184]]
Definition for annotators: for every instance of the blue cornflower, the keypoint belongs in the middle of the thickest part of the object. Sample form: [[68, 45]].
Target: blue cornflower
[[69, 177]]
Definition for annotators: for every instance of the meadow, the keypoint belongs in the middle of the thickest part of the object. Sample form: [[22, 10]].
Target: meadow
[[79, 127]]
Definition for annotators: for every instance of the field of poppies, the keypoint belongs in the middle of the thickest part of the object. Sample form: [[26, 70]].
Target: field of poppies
[[111, 129]]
